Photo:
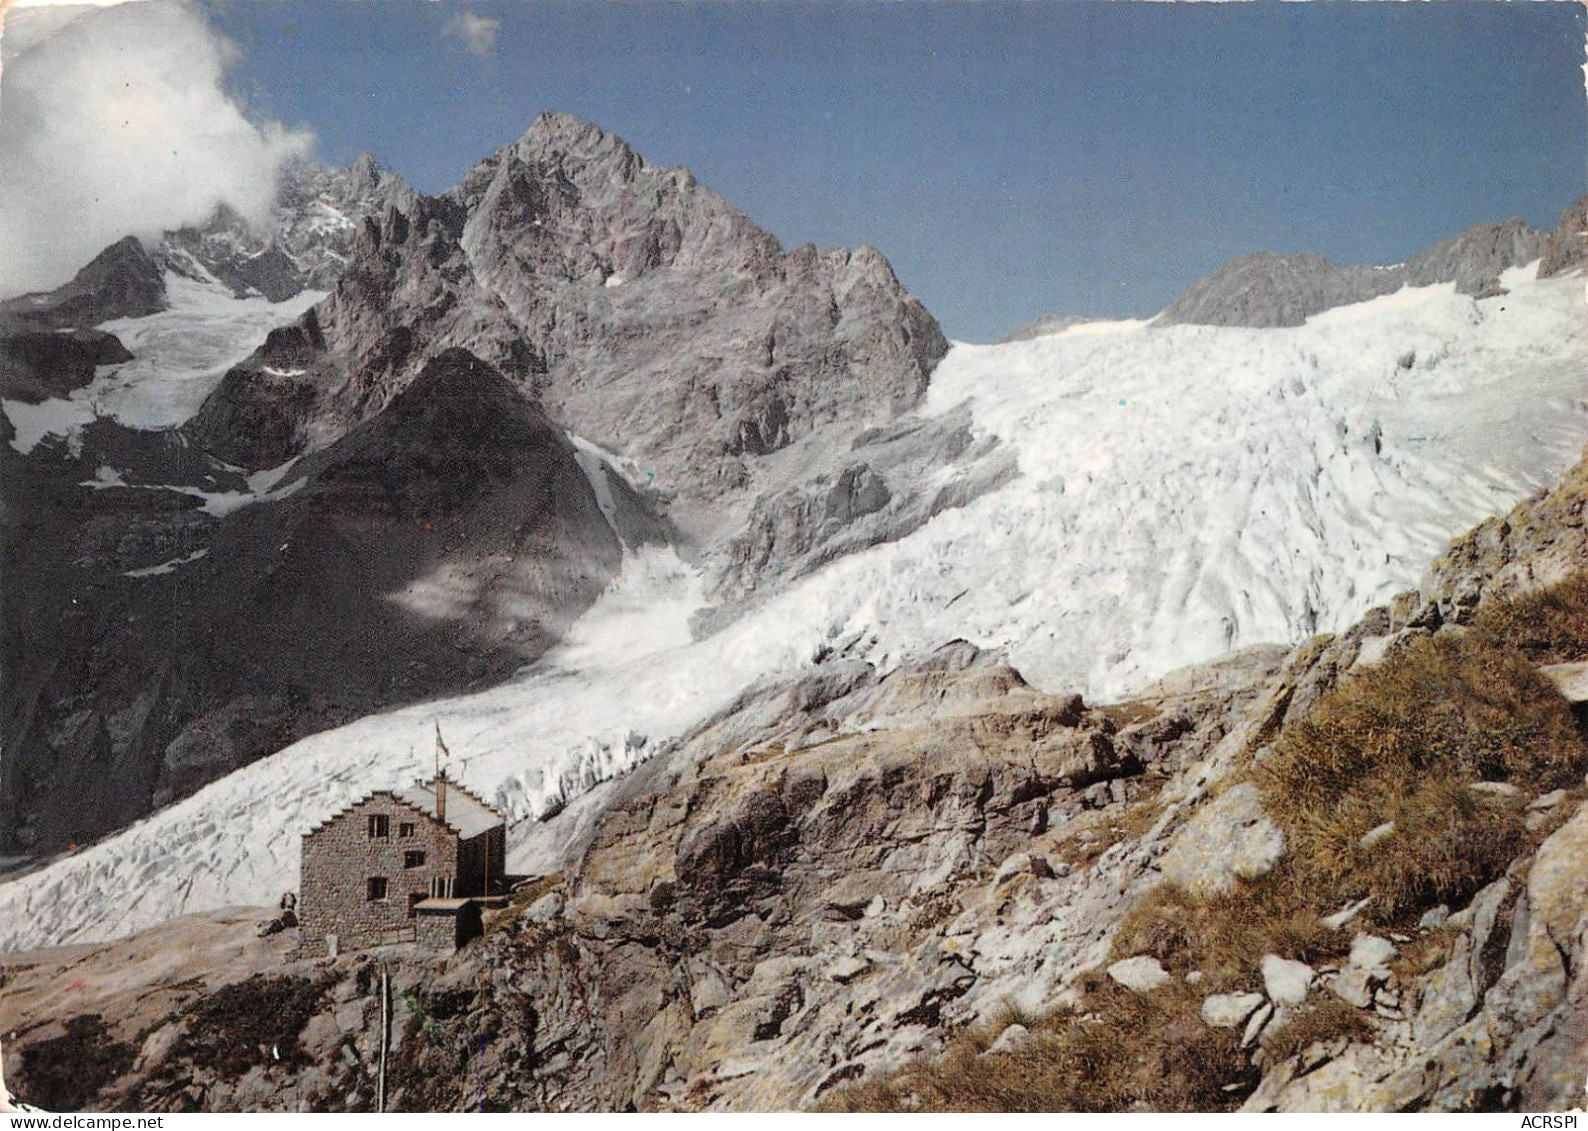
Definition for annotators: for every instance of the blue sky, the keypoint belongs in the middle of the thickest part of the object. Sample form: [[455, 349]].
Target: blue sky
[[1010, 158]]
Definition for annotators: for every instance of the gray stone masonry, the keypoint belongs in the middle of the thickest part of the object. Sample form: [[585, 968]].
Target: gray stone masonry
[[340, 858]]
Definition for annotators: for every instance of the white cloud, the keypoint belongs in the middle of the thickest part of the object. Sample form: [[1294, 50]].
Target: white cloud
[[476, 33], [115, 122]]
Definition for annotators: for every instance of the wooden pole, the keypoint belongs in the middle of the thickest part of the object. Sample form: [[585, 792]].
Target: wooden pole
[[385, 1037]]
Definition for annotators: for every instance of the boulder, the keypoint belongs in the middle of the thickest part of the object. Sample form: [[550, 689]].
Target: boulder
[[1571, 680], [1342, 917], [1376, 835], [1541, 810], [1370, 952], [1354, 986], [1140, 974], [1230, 1011], [1496, 792], [1286, 980], [546, 908], [1012, 1040], [1023, 864], [1254, 1026]]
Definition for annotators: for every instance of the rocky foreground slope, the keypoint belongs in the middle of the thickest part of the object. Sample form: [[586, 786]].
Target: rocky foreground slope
[[940, 888]]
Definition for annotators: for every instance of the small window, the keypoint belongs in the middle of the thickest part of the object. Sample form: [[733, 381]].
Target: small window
[[405, 830], [414, 898], [413, 859], [377, 888], [379, 826]]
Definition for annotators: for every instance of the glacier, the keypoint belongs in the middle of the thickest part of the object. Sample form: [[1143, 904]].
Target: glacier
[[179, 357], [1183, 491]]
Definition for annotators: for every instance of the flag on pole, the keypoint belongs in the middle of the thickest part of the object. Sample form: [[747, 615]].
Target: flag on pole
[[441, 743]]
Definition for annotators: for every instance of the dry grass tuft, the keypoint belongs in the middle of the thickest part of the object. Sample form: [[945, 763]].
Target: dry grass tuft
[[1549, 626], [1129, 1052], [1225, 936], [1329, 1020], [1085, 838], [1400, 744]]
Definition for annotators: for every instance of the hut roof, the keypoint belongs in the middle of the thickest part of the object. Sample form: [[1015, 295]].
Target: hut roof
[[467, 815]]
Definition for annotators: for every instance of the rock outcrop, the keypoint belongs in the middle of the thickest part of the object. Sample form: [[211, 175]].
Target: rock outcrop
[[1567, 249]]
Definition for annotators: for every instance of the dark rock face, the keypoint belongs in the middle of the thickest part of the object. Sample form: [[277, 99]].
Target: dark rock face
[[38, 364], [1285, 290], [255, 418], [1568, 243], [150, 646]]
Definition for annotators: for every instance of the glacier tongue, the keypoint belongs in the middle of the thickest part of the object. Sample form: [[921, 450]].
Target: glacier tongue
[[1183, 491]]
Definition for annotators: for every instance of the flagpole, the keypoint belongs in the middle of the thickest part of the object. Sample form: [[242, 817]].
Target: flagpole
[[441, 782]]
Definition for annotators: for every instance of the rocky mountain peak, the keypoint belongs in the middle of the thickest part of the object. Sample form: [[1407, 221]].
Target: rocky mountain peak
[[578, 202], [557, 133], [365, 173], [305, 244], [123, 281], [644, 311]]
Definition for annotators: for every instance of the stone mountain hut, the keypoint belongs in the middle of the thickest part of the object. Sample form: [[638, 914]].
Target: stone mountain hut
[[411, 865]]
